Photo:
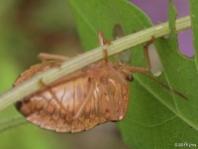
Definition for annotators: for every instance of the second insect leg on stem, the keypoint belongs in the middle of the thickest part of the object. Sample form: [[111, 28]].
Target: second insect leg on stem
[[103, 42], [146, 69], [51, 57]]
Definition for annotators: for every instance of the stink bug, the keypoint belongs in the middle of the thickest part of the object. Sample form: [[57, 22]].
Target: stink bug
[[88, 97]]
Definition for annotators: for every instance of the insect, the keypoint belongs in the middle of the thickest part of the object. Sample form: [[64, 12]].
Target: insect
[[88, 97]]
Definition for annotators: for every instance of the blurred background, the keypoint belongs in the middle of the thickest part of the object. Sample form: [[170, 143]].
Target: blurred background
[[29, 27]]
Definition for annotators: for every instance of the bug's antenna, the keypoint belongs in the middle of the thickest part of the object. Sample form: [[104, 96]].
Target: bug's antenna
[[166, 86], [146, 54]]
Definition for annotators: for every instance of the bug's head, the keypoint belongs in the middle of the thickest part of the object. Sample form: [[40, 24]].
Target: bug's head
[[125, 71]]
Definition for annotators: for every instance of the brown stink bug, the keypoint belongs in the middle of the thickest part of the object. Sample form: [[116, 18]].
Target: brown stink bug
[[93, 95]]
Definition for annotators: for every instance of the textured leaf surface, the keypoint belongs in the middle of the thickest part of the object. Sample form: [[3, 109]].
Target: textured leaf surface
[[157, 118]]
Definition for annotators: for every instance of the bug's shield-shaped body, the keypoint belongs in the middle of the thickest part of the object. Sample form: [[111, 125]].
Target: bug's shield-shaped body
[[77, 102]]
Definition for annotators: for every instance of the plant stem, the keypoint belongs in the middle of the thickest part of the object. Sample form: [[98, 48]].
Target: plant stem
[[76, 63]]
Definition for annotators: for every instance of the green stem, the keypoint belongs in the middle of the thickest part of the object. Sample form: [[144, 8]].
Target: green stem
[[87, 58]]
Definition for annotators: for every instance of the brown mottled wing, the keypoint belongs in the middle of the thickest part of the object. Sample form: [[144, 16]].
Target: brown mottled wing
[[80, 102]]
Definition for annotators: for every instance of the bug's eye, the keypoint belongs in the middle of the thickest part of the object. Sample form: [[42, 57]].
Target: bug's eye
[[130, 78]]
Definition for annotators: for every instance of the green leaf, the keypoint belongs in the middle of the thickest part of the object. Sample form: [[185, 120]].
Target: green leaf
[[95, 16], [49, 12], [194, 17], [156, 118]]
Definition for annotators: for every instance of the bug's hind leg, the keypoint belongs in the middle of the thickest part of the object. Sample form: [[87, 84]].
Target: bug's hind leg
[[54, 59], [102, 43], [44, 57], [144, 70], [129, 70]]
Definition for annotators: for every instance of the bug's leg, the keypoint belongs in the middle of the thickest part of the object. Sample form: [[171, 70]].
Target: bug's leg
[[124, 56], [134, 69], [146, 52], [102, 43], [144, 70], [105, 52], [44, 57], [55, 59], [117, 31]]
